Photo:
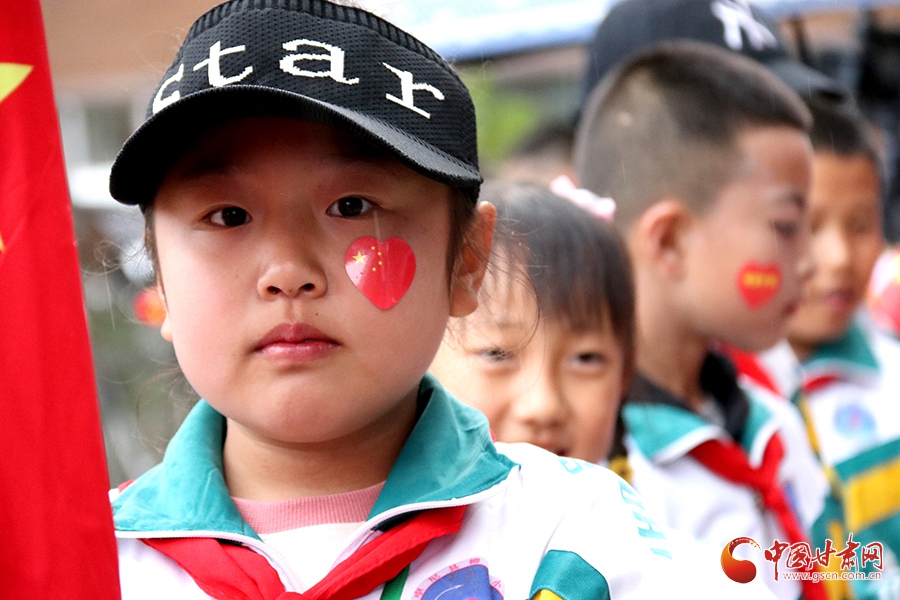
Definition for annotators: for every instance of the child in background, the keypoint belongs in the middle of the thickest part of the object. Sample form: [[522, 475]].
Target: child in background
[[309, 178], [548, 353], [707, 156], [845, 381]]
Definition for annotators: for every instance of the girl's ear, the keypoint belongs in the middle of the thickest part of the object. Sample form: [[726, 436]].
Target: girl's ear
[[468, 272], [165, 330], [658, 236]]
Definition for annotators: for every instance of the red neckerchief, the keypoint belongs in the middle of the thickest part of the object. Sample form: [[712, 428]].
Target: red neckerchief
[[748, 365], [729, 461], [228, 571]]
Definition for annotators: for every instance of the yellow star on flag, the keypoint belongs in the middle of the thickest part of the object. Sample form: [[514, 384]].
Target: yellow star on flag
[[11, 76], [360, 257]]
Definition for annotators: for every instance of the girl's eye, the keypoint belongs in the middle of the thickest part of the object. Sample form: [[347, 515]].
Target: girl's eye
[[494, 355], [589, 359], [349, 207], [231, 216], [786, 229]]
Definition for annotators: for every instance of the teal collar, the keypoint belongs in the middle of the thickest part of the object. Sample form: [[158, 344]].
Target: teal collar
[[449, 455], [664, 432], [850, 357], [665, 429]]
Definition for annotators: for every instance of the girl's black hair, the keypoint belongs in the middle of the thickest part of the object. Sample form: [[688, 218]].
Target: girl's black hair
[[578, 268], [575, 262]]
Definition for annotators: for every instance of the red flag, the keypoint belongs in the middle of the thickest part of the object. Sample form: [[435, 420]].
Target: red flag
[[54, 514]]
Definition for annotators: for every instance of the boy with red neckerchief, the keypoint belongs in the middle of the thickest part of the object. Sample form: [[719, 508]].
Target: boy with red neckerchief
[[707, 156], [836, 364]]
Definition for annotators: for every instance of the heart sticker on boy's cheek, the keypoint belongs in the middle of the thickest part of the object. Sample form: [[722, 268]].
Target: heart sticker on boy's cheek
[[382, 271], [758, 283]]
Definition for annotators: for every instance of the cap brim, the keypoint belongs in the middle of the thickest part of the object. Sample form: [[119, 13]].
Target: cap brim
[[807, 82], [161, 140]]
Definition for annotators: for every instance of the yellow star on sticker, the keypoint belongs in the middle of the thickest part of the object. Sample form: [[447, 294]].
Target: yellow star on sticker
[[360, 257], [11, 76]]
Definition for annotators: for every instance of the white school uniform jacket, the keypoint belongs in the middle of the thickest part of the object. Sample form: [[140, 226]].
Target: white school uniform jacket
[[536, 524], [849, 391], [661, 432]]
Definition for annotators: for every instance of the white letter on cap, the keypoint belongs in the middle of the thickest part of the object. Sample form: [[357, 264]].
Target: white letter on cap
[[335, 58], [407, 87], [159, 102], [215, 70], [736, 16]]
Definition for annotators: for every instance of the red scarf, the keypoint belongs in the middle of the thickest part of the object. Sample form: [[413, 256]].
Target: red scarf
[[232, 572], [729, 461]]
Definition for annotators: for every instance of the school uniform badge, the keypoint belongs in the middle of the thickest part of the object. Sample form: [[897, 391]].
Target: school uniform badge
[[852, 420], [467, 580]]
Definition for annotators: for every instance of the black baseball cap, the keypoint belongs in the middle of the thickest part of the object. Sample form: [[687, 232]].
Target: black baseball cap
[[633, 25], [307, 59]]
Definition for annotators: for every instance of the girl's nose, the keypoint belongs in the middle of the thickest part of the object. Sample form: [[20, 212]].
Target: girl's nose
[[542, 403], [292, 271]]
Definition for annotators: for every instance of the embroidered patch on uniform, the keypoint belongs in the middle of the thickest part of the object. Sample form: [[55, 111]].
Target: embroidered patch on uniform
[[852, 420], [382, 271], [466, 580], [758, 283]]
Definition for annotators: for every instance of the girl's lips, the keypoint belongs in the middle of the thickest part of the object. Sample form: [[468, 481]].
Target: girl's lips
[[295, 342], [839, 301]]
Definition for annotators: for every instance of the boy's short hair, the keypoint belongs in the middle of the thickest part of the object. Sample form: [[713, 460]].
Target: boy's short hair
[[842, 131], [666, 124], [313, 60]]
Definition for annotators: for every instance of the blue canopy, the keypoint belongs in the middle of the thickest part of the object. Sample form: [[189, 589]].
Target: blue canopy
[[465, 30], [462, 30], [787, 8]]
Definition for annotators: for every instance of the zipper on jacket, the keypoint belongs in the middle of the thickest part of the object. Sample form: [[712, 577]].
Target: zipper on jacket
[[365, 531]]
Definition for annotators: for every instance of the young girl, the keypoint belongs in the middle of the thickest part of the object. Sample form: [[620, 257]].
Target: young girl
[[548, 354], [308, 173]]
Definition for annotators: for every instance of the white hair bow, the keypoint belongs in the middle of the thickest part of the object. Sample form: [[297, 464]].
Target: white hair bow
[[598, 206]]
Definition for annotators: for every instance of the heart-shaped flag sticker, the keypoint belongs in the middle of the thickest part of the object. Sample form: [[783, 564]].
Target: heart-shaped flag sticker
[[382, 271], [758, 283]]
